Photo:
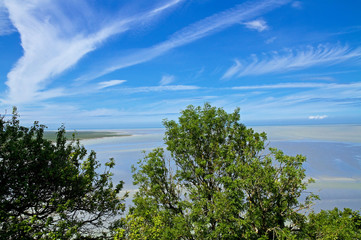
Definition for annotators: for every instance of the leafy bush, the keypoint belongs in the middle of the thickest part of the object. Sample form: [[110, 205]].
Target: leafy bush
[[52, 190]]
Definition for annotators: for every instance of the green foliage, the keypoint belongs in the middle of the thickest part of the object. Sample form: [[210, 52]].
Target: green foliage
[[333, 224], [217, 183], [52, 190], [216, 180], [141, 228]]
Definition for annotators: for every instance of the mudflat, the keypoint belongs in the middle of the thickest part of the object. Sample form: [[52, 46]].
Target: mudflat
[[51, 135]]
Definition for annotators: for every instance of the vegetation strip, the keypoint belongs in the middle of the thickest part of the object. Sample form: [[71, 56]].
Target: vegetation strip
[[51, 135], [217, 183]]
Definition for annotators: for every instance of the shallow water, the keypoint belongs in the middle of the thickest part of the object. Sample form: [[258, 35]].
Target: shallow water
[[336, 168], [335, 165]]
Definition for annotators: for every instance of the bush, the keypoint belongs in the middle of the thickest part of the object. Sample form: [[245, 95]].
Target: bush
[[52, 190]]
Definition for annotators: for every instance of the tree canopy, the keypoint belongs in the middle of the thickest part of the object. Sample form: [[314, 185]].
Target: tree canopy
[[217, 180], [52, 190]]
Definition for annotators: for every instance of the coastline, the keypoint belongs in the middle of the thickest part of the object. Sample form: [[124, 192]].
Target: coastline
[[85, 134], [348, 133], [332, 151]]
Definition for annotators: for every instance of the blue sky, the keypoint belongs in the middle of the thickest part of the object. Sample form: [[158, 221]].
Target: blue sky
[[126, 64]]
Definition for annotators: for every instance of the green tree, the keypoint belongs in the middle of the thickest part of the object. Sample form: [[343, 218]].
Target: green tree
[[333, 224], [52, 190], [217, 181]]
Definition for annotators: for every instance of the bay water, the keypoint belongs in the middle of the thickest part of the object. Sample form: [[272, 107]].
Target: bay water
[[333, 157]]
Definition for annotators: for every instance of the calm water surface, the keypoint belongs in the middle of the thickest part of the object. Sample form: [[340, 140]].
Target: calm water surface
[[335, 165]]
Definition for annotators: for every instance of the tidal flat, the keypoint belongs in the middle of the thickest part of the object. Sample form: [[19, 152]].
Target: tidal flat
[[333, 157], [335, 133], [81, 135]]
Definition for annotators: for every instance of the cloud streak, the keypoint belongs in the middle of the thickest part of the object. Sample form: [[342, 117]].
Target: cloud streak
[[290, 60], [160, 88], [54, 40], [331, 94], [166, 79], [110, 83], [5, 23], [258, 25], [317, 117], [196, 31], [353, 89], [283, 85]]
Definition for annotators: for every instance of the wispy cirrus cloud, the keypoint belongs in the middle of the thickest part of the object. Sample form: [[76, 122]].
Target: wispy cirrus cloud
[[203, 28], [233, 70], [5, 24], [317, 95], [55, 39], [328, 99], [317, 117], [259, 25], [160, 88], [282, 85], [355, 87], [289, 60], [166, 79], [110, 83], [270, 40], [310, 98], [93, 89]]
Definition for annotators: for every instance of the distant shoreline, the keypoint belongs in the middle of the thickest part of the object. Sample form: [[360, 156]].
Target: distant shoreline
[[82, 135], [337, 133], [333, 132]]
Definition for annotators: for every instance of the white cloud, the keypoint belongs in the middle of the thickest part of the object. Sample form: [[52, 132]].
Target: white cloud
[[166, 79], [332, 99], [54, 40], [193, 32], [259, 25], [270, 40], [110, 83], [325, 86], [165, 6], [282, 85], [317, 117], [5, 24], [289, 60], [328, 99], [160, 88], [326, 96], [237, 66]]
